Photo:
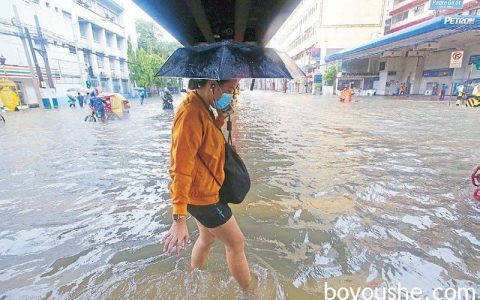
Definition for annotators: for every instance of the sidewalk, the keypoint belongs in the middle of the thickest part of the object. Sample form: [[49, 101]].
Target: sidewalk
[[422, 98]]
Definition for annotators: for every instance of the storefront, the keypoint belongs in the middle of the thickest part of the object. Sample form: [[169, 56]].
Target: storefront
[[419, 57]]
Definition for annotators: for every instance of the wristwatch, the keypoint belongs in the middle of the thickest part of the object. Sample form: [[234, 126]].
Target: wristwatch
[[178, 217]]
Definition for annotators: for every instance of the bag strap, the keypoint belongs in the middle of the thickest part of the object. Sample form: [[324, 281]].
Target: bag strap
[[209, 171], [212, 116]]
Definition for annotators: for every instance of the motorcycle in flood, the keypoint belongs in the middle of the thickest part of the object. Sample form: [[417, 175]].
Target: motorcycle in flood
[[167, 101]]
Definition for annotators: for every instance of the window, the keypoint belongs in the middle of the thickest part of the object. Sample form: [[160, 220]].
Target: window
[[474, 12], [419, 10], [122, 67], [112, 64], [86, 58], [96, 35], [400, 17], [83, 30], [109, 40], [100, 62], [120, 44], [67, 15]]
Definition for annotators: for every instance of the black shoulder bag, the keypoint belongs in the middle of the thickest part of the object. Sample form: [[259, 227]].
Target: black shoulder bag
[[236, 185]]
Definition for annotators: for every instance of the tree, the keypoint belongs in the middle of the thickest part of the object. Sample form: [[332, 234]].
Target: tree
[[330, 75], [150, 55], [151, 39]]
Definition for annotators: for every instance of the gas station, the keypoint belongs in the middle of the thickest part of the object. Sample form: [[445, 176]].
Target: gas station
[[423, 57]]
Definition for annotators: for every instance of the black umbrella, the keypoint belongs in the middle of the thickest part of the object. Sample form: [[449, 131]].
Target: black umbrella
[[227, 60]]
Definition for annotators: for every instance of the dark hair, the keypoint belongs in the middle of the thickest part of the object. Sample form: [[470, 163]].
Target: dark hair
[[196, 83]]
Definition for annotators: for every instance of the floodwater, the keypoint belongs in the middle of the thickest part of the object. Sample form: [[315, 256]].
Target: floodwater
[[364, 194]]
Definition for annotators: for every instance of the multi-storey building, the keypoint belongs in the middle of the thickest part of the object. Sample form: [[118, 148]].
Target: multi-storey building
[[317, 28], [86, 45], [407, 13], [417, 50]]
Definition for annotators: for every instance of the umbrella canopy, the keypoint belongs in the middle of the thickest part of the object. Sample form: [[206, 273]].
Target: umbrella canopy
[[227, 60]]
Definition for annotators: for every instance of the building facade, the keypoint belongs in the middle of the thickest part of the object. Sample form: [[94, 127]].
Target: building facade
[[318, 28], [85, 41], [422, 41]]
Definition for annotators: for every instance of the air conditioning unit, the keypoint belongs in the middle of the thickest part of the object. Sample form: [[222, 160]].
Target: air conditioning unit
[[429, 46], [392, 53]]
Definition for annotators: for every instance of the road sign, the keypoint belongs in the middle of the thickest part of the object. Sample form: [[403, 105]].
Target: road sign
[[456, 59], [446, 4]]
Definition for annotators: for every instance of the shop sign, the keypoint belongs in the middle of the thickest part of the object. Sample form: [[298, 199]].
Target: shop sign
[[446, 4], [438, 72], [474, 59], [315, 54], [459, 21]]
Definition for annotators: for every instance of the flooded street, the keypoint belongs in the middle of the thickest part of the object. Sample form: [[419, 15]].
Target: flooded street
[[363, 194]]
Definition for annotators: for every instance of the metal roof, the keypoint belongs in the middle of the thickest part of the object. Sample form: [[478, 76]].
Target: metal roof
[[410, 37], [197, 21]]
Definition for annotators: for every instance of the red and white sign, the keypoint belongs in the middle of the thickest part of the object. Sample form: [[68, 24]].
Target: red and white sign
[[456, 59]]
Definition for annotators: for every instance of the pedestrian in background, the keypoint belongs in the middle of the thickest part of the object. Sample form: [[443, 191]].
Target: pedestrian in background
[[443, 91], [403, 89], [142, 96]]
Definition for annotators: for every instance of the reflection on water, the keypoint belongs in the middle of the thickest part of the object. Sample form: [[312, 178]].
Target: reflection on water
[[364, 194]]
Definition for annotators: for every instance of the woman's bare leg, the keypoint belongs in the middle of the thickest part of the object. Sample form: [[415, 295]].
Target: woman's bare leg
[[232, 237], [202, 247]]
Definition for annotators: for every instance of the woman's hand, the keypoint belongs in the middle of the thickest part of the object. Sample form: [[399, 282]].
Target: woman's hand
[[176, 236], [220, 120]]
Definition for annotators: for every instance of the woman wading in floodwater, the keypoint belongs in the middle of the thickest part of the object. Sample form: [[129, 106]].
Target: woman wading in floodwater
[[198, 143]]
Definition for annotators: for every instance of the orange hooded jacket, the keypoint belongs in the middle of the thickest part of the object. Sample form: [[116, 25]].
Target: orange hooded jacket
[[194, 134]]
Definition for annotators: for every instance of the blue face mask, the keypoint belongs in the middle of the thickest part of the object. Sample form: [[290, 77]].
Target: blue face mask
[[224, 101]]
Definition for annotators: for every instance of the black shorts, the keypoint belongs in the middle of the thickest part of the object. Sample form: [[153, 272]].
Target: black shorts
[[211, 216]]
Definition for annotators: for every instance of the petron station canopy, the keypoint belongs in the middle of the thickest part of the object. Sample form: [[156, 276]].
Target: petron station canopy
[[198, 21], [434, 30]]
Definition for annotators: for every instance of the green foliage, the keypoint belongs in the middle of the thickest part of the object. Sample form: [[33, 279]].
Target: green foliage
[[318, 86], [150, 55], [330, 75]]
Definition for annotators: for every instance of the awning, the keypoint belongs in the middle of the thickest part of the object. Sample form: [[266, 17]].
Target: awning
[[429, 31]]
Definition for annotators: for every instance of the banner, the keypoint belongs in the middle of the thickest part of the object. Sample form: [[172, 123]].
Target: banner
[[446, 4], [315, 54], [445, 72]]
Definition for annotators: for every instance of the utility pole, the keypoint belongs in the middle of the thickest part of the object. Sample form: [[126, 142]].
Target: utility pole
[[35, 82], [43, 53], [34, 55]]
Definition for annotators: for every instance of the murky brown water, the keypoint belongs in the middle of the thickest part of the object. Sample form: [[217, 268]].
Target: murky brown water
[[364, 194]]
